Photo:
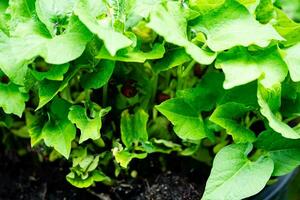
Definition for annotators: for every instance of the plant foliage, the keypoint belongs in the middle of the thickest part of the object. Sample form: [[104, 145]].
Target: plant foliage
[[100, 83]]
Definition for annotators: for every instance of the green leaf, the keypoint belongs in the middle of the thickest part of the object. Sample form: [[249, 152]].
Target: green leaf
[[96, 176], [292, 59], [134, 55], [12, 99], [67, 47], [172, 58], [187, 121], [49, 89], [88, 11], [17, 52], [54, 12], [124, 157], [231, 25], [21, 9], [227, 116], [3, 5], [204, 6], [290, 107], [242, 66], [269, 101], [243, 94], [169, 21], [232, 174], [4, 18], [143, 8], [55, 73], [35, 124], [59, 132], [99, 77], [134, 127], [206, 94], [184, 111], [161, 146], [287, 28], [90, 128], [292, 8], [284, 152], [264, 11]]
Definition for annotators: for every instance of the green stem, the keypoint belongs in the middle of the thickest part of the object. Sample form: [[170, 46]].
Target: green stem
[[179, 78], [154, 87], [105, 95], [66, 94], [252, 121], [188, 68]]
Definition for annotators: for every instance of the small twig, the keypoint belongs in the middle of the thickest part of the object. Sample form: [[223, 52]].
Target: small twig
[[101, 196]]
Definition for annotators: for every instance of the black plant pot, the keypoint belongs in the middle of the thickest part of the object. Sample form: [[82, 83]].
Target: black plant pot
[[277, 191]]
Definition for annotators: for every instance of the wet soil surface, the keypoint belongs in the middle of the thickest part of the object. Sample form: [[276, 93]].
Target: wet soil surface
[[24, 178]]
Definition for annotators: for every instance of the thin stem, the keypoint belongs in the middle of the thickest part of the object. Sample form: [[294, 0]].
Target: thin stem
[[104, 95], [188, 68], [179, 78], [154, 87]]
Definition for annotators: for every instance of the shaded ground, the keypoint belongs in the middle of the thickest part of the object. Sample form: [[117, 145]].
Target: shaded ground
[[22, 179], [26, 179]]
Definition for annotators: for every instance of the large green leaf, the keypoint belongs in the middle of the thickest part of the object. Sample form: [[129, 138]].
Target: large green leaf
[[54, 13], [12, 99], [231, 25], [49, 89], [287, 28], [134, 127], [3, 5], [134, 55], [187, 121], [242, 66], [232, 175], [99, 77], [17, 52], [168, 20], [55, 73], [89, 128], [59, 132], [292, 59], [88, 11], [269, 101], [184, 111], [21, 9], [227, 116], [284, 152], [172, 58], [243, 94], [205, 6]]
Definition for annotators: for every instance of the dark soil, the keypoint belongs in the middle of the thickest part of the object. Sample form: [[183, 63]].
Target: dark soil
[[173, 187], [24, 178]]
